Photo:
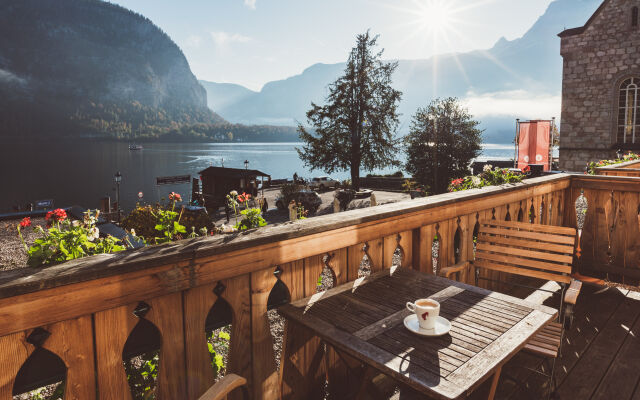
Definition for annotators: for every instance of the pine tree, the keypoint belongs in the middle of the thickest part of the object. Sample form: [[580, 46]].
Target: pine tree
[[443, 141], [356, 128]]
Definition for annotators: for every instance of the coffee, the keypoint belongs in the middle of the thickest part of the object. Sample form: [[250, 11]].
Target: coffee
[[426, 303]]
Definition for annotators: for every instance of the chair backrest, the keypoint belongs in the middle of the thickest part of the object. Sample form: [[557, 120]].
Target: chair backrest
[[537, 251]]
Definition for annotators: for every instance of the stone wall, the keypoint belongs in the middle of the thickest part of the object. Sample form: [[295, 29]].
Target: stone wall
[[596, 61]]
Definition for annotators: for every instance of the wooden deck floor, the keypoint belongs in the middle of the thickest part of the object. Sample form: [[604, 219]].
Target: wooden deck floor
[[600, 355]]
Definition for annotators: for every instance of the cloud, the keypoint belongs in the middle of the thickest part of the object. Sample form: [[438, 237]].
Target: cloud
[[224, 38], [250, 3], [193, 41], [516, 102], [10, 77]]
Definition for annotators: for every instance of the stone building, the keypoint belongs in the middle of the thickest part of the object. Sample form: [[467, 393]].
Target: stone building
[[601, 85]]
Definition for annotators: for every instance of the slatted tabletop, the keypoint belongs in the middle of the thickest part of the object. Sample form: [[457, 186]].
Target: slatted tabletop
[[365, 320]]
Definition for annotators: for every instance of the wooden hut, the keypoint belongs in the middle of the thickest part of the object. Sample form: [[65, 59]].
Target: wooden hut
[[217, 182]]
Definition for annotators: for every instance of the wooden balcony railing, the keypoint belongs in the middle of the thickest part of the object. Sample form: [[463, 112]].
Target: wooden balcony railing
[[631, 168], [83, 312]]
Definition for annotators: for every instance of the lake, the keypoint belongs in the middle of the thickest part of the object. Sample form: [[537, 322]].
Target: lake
[[81, 172]]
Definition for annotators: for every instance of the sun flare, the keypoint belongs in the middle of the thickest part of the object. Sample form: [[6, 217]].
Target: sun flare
[[437, 15]]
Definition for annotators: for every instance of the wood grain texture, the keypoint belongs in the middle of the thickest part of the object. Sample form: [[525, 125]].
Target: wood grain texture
[[71, 340], [199, 374], [265, 374], [15, 351], [112, 328], [238, 295], [366, 323]]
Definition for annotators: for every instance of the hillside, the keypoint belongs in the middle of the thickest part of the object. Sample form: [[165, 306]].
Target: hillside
[[530, 64], [92, 68]]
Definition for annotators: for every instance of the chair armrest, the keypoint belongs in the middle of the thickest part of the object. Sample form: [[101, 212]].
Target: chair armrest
[[461, 266], [571, 296], [223, 387]]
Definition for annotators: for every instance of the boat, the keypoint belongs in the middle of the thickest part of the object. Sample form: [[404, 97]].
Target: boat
[[135, 147]]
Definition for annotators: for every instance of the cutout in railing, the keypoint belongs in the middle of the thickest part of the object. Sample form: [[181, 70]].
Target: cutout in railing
[[457, 240], [541, 213], [493, 214], [476, 232], [581, 207], [280, 293], [278, 296], [217, 327], [398, 253], [520, 215], [507, 216], [43, 371], [141, 356], [364, 269], [435, 250], [327, 278], [532, 213]]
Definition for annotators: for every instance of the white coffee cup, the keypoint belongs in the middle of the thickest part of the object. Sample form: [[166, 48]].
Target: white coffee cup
[[427, 311]]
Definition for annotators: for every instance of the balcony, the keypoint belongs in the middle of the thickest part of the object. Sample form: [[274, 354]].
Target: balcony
[[85, 312]]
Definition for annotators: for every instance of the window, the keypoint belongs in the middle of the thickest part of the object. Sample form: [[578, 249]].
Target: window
[[628, 109], [634, 16]]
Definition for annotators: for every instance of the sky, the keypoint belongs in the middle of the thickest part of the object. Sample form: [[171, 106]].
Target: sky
[[252, 42]]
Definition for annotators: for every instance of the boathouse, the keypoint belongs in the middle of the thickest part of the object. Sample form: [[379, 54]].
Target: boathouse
[[217, 182]]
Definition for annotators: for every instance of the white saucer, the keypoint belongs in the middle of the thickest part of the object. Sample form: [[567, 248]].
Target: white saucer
[[442, 326]]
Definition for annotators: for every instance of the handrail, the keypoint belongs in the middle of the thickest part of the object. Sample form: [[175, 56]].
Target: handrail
[[26, 280], [629, 168]]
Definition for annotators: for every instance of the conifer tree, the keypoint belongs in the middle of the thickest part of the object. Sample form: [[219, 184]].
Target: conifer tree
[[356, 127]]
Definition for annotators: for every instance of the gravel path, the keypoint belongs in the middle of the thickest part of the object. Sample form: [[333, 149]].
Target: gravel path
[[12, 253]]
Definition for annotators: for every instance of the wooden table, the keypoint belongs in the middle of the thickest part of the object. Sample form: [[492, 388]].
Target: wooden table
[[362, 323]]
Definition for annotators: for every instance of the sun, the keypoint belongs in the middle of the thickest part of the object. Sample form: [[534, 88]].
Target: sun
[[437, 15]]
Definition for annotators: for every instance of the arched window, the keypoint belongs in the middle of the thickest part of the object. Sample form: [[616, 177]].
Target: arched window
[[634, 17], [628, 109]]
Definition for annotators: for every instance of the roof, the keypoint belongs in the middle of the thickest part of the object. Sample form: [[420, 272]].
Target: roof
[[579, 30], [232, 172]]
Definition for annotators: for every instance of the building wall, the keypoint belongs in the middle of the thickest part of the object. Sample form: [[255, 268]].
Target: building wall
[[596, 61]]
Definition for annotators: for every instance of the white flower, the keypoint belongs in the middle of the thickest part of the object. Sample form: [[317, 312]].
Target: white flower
[[75, 223], [487, 167], [476, 180], [94, 233], [133, 232], [233, 193], [228, 228]]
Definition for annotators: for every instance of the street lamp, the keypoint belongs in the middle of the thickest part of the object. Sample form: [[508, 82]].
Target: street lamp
[[246, 164], [117, 179]]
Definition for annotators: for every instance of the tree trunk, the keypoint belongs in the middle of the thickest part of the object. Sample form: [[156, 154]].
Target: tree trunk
[[355, 176]]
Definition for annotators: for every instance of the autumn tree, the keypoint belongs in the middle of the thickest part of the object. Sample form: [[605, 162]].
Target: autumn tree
[[443, 140], [356, 127]]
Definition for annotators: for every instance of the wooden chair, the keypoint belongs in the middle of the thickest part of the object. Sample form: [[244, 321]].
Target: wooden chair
[[224, 386], [534, 251]]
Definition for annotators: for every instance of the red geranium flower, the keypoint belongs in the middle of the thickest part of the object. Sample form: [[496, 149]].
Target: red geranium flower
[[173, 196], [456, 182], [526, 169], [25, 222], [57, 215]]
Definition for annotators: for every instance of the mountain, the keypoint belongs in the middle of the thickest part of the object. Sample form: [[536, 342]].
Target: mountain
[[222, 95], [526, 67], [92, 68]]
